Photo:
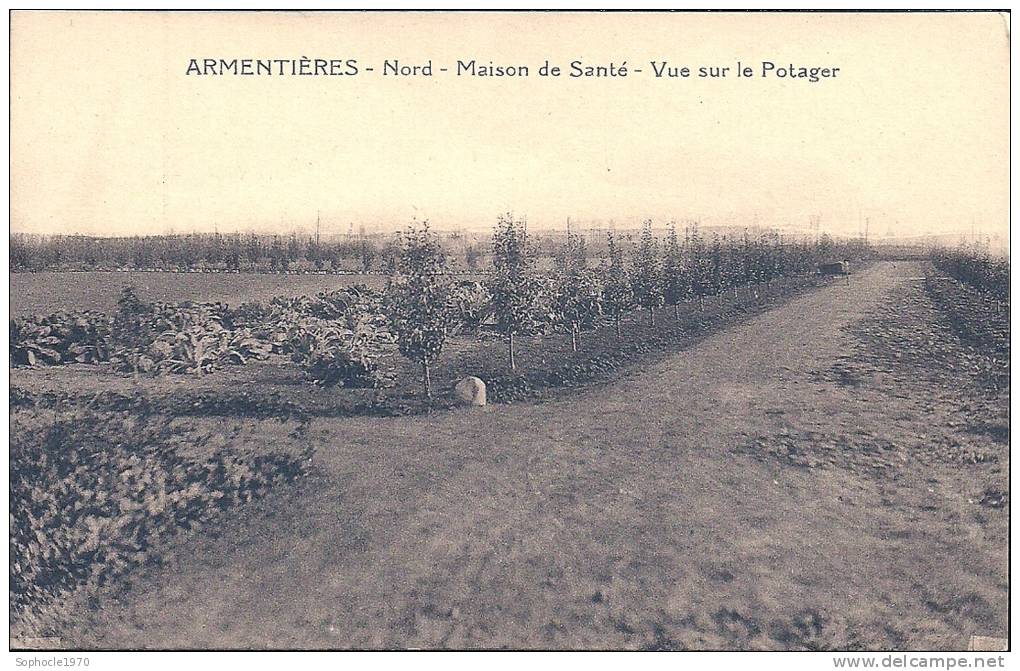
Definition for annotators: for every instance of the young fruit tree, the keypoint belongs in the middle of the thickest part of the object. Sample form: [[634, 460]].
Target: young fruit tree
[[732, 269], [781, 257], [700, 264], [516, 291], [419, 300], [770, 258], [368, 253], [577, 294], [647, 279], [617, 290], [676, 280], [717, 276], [748, 252]]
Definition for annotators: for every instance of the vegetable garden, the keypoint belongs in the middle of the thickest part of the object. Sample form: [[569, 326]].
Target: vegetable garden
[[339, 338], [102, 477], [104, 480]]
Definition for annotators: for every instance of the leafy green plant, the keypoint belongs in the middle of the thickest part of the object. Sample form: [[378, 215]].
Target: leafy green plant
[[342, 356], [91, 492], [241, 346], [336, 352], [194, 349], [183, 337], [470, 301], [33, 343], [60, 338]]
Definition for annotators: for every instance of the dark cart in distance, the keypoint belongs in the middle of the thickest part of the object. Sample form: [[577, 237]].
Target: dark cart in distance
[[835, 269]]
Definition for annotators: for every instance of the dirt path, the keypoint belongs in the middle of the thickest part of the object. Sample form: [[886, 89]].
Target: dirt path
[[636, 515]]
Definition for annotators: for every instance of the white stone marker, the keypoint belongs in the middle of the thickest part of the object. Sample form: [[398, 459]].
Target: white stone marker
[[470, 391]]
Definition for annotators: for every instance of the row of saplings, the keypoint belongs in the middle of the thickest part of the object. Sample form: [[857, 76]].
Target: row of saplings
[[338, 337]]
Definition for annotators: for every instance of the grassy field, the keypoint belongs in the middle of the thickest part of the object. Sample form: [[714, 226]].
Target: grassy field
[[817, 476], [46, 292]]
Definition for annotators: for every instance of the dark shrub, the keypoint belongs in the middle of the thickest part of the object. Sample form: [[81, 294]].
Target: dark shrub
[[90, 492]]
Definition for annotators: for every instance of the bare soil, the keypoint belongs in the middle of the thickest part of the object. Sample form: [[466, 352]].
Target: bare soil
[[807, 479]]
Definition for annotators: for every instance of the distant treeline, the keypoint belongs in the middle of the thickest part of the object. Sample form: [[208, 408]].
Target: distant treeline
[[252, 252], [232, 252]]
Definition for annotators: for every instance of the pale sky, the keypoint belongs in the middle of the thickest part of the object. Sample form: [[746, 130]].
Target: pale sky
[[109, 136]]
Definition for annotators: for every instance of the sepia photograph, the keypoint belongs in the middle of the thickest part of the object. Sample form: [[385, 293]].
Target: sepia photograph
[[519, 330]]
